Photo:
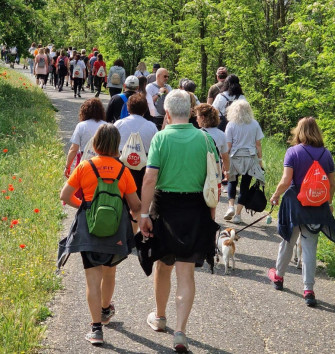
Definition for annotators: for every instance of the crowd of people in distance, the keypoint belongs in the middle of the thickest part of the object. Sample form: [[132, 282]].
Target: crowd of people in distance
[[164, 201]]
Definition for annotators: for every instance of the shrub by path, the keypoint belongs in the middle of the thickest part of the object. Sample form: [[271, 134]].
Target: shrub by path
[[237, 313]]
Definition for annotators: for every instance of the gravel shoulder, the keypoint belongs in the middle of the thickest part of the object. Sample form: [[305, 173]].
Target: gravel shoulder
[[236, 313]]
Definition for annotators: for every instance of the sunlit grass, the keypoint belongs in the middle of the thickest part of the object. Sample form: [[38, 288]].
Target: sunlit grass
[[30, 212]]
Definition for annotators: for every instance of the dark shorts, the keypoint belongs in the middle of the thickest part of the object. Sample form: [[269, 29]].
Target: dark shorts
[[95, 259], [40, 76], [170, 259]]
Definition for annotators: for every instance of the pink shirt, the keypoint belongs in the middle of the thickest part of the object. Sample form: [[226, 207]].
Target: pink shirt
[[41, 70]]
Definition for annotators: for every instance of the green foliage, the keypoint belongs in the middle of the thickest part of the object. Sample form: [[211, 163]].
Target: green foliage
[[30, 211]]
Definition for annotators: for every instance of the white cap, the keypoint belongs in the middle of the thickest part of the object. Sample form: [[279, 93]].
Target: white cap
[[131, 82]]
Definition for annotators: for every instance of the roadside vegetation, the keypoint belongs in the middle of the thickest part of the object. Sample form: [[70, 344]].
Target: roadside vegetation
[[30, 211]]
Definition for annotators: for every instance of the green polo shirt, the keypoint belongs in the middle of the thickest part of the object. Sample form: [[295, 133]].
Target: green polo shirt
[[180, 153]]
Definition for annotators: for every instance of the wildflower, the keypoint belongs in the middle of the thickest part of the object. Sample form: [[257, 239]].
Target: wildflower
[[36, 210], [5, 150], [22, 246], [20, 180], [7, 197], [3, 191], [11, 189], [11, 226], [4, 218], [10, 186], [15, 222]]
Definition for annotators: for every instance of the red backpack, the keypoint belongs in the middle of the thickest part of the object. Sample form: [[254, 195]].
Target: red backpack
[[315, 187]]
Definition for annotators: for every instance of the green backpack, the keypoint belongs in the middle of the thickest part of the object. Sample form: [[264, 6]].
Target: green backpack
[[104, 215]]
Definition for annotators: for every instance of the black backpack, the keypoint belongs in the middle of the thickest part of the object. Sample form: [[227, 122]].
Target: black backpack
[[223, 117], [62, 70], [256, 200]]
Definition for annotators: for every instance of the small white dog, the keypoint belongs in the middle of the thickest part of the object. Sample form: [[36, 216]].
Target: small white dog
[[226, 247]]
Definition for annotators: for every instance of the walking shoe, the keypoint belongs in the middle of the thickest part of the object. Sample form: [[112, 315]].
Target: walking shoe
[[237, 219], [107, 316], [75, 96], [225, 189], [95, 337], [309, 297], [97, 94], [158, 324], [229, 213], [79, 95], [92, 91], [83, 89], [67, 84], [180, 342], [277, 281]]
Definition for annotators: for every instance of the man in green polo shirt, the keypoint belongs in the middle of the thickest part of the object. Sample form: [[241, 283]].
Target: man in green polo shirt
[[173, 182]]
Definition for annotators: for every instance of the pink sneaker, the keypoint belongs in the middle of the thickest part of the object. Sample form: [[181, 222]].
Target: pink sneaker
[[276, 280], [309, 297]]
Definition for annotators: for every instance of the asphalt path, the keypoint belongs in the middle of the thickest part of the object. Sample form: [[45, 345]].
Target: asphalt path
[[236, 313]]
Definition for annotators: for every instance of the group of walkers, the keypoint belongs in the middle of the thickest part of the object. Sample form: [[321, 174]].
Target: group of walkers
[[164, 199]]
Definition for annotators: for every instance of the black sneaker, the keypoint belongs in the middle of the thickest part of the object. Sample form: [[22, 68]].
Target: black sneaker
[[79, 95], [309, 297]]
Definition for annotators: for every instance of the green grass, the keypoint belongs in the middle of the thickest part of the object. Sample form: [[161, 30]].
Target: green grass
[[30, 211], [273, 157]]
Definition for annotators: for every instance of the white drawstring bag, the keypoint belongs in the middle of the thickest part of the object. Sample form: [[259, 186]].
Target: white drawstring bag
[[133, 153], [89, 151], [211, 189]]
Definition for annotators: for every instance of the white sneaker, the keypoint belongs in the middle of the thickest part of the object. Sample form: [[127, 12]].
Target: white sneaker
[[225, 189], [237, 219], [229, 213]]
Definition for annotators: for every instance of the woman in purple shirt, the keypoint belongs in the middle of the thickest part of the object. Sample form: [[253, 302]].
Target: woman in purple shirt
[[295, 219]]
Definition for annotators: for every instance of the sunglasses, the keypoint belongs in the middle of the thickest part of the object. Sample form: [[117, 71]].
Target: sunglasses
[[166, 76]]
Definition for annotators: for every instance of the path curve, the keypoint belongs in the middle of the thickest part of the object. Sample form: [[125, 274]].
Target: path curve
[[237, 313]]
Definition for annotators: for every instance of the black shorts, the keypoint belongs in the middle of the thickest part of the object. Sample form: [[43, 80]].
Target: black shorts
[[40, 76], [90, 259], [170, 259]]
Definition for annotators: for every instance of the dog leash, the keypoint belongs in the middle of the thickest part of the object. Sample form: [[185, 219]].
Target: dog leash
[[256, 221]]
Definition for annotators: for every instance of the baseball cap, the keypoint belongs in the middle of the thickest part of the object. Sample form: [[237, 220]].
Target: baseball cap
[[156, 66], [221, 70], [131, 82], [94, 49]]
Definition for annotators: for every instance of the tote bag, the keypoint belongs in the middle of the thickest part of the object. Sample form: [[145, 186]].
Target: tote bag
[[211, 189], [133, 153]]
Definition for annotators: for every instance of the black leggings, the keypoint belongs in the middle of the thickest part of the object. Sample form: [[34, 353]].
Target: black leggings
[[77, 83], [244, 188]]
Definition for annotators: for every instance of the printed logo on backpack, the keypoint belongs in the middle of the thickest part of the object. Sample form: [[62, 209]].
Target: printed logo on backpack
[[315, 186], [133, 154], [76, 71], [101, 71], [104, 215]]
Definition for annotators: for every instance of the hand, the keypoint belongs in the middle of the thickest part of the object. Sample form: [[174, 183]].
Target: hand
[[67, 172], [162, 90], [146, 227], [274, 200]]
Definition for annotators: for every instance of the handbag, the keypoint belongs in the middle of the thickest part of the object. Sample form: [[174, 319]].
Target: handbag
[[211, 189], [255, 200], [133, 153]]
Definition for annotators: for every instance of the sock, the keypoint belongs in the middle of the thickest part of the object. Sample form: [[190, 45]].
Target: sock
[[105, 309], [96, 326]]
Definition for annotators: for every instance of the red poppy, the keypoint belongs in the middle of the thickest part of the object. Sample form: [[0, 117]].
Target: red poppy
[[22, 246], [36, 211], [11, 226], [10, 186], [4, 218], [5, 150], [15, 222], [14, 177], [20, 180], [11, 189], [7, 197], [3, 191]]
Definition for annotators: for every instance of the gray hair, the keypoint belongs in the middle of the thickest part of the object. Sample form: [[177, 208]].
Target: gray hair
[[178, 104], [240, 112]]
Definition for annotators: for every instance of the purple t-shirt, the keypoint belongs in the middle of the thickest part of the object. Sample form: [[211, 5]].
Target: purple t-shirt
[[297, 158]]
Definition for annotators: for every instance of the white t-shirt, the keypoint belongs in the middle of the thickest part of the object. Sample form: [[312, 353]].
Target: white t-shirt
[[84, 132], [81, 67], [220, 101], [133, 124], [243, 136], [152, 90], [139, 73], [219, 137]]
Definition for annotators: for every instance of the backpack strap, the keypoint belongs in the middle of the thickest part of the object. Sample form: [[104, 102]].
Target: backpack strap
[[217, 150], [121, 172], [311, 155], [94, 168], [124, 97]]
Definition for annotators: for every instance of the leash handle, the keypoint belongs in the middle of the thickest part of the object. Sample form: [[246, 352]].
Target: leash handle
[[256, 221]]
